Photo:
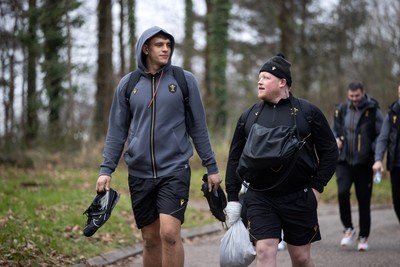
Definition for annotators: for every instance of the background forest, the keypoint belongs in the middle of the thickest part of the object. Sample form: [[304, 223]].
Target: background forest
[[60, 62], [52, 99]]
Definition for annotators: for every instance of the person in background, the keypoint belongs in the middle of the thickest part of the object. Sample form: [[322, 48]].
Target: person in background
[[357, 124], [292, 205], [153, 125], [388, 140]]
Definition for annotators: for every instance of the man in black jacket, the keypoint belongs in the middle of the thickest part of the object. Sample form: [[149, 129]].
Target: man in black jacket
[[357, 124], [291, 205]]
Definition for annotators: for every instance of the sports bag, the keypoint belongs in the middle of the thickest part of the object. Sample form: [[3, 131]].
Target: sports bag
[[269, 148]]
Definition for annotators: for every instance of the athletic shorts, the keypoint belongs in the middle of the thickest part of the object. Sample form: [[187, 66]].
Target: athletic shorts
[[152, 196], [295, 213]]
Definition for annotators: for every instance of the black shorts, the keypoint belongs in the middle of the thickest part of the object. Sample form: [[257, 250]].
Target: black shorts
[[295, 214], [152, 196]]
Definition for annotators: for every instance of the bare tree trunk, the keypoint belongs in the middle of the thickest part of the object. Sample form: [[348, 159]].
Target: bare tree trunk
[[32, 122], [286, 24], [188, 42], [217, 43], [105, 77], [9, 96], [121, 38], [53, 66], [132, 34], [208, 93], [70, 120]]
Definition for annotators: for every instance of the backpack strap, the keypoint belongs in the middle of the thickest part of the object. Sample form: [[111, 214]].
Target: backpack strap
[[305, 109], [133, 80], [182, 83]]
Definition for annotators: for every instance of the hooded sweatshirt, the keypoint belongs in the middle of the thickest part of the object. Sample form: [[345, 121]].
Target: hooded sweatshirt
[[153, 124]]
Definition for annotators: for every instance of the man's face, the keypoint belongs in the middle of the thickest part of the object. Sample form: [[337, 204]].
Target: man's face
[[158, 51], [355, 96], [269, 86]]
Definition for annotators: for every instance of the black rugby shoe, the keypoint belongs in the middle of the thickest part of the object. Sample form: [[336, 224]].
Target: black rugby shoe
[[100, 211], [216, 200]]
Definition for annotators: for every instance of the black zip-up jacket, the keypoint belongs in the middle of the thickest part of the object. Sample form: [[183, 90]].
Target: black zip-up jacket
[[358, 128], [316, 163], [393, 135]]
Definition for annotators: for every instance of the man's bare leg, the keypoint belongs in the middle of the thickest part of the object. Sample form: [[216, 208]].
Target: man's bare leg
[[172, 245], [152, 245], [301, 255], [266, 250]]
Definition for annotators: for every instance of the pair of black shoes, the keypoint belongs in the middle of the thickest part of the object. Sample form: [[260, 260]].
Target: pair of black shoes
[[216, 201], [100, 211]]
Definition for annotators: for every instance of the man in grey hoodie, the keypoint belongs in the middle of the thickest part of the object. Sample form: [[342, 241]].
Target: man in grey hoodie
[[153, 125]]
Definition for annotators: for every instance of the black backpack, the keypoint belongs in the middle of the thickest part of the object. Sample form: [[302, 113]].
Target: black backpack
[[247, 121], [182, 83]]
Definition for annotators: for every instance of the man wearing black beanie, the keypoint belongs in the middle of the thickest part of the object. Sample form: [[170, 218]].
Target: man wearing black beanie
[[284, 197]]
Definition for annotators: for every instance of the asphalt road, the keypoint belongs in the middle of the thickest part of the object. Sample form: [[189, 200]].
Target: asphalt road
[[384, 242]]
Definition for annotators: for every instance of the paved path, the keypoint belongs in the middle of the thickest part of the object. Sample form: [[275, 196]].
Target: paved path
[[384, 242]]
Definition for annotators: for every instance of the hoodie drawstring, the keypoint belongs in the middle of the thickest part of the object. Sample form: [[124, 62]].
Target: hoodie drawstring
[[155, 92]]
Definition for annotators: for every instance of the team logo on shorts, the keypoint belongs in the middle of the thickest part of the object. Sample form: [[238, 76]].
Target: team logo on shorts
[[172, 88], [182, 202]]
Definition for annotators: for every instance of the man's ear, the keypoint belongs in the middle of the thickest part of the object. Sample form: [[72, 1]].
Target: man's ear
[[283, 82], [146, 49]]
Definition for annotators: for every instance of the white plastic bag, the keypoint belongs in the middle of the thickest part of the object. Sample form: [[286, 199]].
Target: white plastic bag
[[235, 249]]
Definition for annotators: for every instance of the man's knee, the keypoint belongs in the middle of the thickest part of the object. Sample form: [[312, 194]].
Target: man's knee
[[170, 234], [151, 235], [170, 230], [300, 255], [151, 240]]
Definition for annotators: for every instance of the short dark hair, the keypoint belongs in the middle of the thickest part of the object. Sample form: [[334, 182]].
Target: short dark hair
[[353, 86], [160, 34]]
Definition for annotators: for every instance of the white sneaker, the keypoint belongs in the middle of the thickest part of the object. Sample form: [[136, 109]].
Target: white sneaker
[[348, 237], [362, 244], [282, 245]]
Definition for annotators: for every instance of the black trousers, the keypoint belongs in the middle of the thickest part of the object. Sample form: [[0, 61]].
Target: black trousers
[[361, 176], [395, 180]]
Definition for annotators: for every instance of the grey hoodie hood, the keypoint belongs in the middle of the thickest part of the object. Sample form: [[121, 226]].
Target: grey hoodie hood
[[145, 37]]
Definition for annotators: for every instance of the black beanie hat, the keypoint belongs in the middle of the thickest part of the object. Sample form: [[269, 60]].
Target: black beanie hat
[[279, 67]]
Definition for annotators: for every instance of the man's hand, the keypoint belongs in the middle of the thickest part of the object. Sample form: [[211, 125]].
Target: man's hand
[[233, 210], [103, 183], [243, 189], [214, 180], [339, 142], [378, 166], [317, 194]]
